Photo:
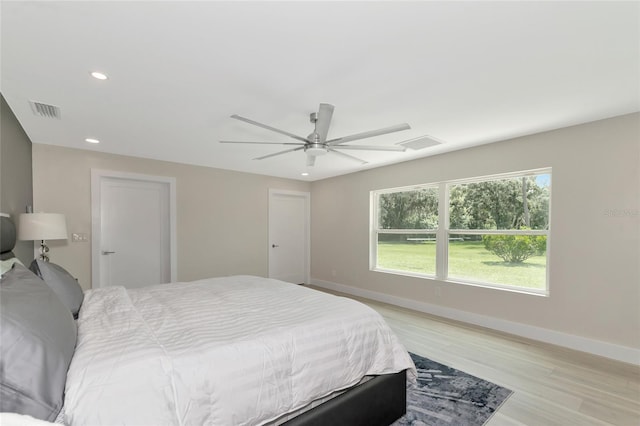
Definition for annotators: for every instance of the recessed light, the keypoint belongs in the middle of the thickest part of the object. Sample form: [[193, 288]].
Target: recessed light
[[91, 140], [99, 75], [305, 174]]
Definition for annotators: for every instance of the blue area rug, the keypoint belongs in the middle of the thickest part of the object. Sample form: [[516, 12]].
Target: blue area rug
[[446, 396]]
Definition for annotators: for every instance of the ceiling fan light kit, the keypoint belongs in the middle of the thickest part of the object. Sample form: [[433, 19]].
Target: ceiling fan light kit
[[316, 150], [316, 144]]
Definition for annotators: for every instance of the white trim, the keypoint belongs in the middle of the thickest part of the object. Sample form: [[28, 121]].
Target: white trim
[[578, 343], [96, 177], [406, 231], [442, 238], [497, 232], [474, 179], [505, 287], [417, 187], [500, 176], [373, 229], [307, 236]]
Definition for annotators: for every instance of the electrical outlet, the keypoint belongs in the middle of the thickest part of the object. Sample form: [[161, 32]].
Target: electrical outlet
[[438, 291]]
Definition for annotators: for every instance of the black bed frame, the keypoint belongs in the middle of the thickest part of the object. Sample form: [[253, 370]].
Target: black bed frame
[[378, 402]]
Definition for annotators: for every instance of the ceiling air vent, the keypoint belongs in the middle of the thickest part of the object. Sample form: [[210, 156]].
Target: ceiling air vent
[[45, 110], [421, 142]]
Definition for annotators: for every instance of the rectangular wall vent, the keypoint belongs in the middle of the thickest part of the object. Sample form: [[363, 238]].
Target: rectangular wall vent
[[45, 110], [421, 142]]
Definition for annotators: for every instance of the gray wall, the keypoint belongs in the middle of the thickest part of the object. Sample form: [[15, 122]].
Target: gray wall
[[16, 182]]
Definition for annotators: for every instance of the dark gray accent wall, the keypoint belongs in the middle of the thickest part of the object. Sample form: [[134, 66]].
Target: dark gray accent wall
[[16, 177]]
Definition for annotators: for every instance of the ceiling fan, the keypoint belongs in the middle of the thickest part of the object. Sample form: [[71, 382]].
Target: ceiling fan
[[316, 144]]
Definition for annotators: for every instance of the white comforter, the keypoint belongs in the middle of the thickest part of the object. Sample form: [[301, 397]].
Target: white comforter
[[224, 351]]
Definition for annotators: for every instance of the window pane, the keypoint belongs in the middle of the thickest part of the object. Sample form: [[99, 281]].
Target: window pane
[[407, 252], [417, 209], [501, 204], [516, 260]]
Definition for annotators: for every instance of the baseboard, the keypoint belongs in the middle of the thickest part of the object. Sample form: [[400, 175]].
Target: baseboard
[[583, 344]]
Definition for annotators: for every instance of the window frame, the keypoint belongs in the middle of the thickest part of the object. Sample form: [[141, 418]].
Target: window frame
[[376, 230], [443, 232]]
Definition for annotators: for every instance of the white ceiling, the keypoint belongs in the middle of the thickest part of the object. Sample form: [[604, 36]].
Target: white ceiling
[[464, 73]]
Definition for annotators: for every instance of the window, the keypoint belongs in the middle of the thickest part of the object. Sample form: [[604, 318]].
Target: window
[[407, 224], [491, 231]]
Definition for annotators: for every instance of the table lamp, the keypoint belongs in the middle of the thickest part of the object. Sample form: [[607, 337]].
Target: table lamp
[[42, 226]]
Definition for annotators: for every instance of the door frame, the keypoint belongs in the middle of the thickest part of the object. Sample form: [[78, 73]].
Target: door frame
[[307, 234], [96, 220]]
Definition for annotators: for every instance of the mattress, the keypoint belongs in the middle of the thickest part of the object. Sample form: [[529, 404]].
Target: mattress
[[237, 350]]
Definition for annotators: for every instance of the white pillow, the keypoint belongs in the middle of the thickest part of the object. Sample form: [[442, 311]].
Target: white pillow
[[14, 419], [7, 264]]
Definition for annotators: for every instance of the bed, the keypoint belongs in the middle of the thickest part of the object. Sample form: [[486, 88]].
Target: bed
[[239, 350]]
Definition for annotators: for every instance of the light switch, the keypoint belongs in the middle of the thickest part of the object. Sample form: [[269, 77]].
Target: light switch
[[79, 237]]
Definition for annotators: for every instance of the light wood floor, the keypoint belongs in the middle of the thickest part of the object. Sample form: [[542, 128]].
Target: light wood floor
[[552, 385]]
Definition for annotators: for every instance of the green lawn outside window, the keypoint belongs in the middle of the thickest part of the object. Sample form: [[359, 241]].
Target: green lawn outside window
[[468, 260]]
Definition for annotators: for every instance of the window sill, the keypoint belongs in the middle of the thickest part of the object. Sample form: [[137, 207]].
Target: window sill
[[512, 289]]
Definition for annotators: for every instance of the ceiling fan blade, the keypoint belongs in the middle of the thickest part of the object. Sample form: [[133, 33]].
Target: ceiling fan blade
[[350, 157], [324, 121], [369, 134], [265, 143], [311, 160], [273, 129], [371, 148], [279, 153]]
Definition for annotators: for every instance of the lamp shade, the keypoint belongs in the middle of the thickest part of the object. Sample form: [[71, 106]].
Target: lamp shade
[[42, 226]]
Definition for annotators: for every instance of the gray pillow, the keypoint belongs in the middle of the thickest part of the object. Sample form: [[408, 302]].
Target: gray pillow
[[61, 282], [38, 337]]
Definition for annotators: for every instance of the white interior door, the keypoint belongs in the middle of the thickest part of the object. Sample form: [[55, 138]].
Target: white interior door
[[133, 221], [289, 236]]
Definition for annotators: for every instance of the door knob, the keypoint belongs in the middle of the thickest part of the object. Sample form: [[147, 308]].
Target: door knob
[[107, 252], [274, 245]]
